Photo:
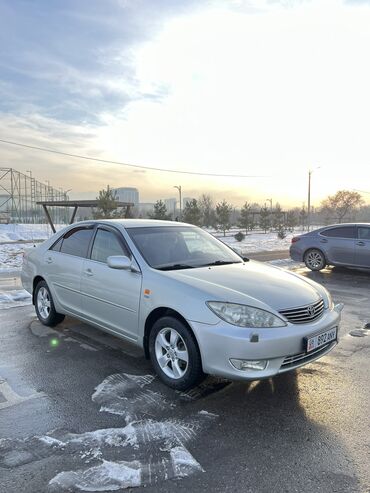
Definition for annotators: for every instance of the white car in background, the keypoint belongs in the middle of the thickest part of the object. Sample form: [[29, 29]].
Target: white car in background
[[191, 303]]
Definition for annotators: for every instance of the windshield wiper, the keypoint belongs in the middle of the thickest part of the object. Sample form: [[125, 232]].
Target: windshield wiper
[[175, 267], [221, 262]]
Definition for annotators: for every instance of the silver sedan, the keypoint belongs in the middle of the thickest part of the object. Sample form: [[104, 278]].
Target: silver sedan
[[191, 303]]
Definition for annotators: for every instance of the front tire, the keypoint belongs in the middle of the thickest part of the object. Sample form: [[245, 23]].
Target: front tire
[[314, 259], [174, 354], [44, 306]]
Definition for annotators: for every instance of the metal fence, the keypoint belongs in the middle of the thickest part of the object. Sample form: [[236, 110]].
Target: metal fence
[[19, 194]]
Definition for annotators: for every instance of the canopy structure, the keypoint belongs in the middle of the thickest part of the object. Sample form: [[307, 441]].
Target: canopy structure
[[76, 204]]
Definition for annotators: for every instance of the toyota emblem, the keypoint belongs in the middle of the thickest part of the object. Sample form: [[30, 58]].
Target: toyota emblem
[[311, 311]]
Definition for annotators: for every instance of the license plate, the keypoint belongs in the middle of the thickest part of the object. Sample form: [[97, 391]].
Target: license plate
[[321, 339]]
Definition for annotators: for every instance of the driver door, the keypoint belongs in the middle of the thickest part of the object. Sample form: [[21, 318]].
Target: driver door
[[110, 297]]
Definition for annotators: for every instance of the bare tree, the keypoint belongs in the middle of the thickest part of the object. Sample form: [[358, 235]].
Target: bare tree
[[341, 204]]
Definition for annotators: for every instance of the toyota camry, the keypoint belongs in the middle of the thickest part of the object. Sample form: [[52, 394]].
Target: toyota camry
[[190, 302]]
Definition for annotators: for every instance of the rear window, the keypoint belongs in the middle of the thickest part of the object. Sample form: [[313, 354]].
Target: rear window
[[364, 233], [76, 242], [341, 232]]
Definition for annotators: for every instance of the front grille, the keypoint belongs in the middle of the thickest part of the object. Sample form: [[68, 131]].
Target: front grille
[[304, 314], [303, 358]]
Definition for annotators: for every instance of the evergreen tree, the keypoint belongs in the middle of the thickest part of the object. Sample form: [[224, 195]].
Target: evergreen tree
[[223, 212], [207, 211], [107, 204], [303, 217], [192, 213], [291, 220], [160, 211], [278, 218], [246, 218], [264, 218]]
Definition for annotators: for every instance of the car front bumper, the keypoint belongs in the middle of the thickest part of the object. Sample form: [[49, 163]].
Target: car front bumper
[[282, 348]]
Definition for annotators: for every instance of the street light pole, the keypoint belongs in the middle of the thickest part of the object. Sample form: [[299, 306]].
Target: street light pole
[[179, 189], [310, 171]]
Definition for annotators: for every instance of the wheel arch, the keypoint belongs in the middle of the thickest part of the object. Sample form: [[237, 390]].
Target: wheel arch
[[35, 282], [315, 248], [155, 315]]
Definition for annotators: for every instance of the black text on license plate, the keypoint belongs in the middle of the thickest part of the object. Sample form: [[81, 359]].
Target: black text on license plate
[[319, 340]]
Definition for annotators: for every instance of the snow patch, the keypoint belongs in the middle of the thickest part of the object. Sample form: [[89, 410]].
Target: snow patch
[[183, 462], [14, 297], [108, 476], [124, 394]]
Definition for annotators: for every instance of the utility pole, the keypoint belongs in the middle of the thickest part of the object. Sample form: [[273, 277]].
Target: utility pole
[[309, 200], [179, 189], [310, 171]]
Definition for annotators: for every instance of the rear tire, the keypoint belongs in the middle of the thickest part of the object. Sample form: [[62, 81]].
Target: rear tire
[[314, 259], [44, 306], [174, 354]]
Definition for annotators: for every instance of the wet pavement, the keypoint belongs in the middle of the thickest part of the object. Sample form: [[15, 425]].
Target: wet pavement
[[82, 411]]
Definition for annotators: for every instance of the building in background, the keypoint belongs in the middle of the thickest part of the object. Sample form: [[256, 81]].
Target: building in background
[[171, 205], [128, 194], [145, 208]]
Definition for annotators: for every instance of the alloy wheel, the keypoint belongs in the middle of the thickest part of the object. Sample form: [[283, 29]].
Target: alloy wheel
[[314, 260], [171, 353], [43, 303]]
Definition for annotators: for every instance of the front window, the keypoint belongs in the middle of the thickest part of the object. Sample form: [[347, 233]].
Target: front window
[[180, 247], [106, 244]]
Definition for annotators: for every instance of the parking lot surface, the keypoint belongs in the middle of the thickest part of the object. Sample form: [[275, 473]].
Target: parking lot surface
[[82, 411]]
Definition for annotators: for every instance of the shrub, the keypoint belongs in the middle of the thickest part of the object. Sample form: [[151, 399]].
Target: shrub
[[239, 236], [281, 233]]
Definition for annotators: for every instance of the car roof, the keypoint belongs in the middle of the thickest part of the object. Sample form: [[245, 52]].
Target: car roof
[[135, 223], [344, 224], [339, 225]]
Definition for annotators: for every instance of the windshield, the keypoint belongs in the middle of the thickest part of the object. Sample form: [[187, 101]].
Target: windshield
[[180, 247]]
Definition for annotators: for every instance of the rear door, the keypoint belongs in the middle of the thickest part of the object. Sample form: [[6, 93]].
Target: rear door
[[110, 297], [362, 248], [63, 266], [338, 243]]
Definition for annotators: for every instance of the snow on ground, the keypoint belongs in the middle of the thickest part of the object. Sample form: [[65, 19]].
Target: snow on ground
[[11, 256], [11, 252], [13, 298], [259, 242], [16, 232]]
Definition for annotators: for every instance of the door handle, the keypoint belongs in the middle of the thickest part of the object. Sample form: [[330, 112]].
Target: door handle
[[323, 241], [360, 243], [49, 260], [89, 272]]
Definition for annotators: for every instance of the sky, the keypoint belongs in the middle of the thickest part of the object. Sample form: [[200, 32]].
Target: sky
[[264, 88]]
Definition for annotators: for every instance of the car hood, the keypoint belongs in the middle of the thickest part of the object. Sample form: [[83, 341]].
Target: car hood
[[238, 283]]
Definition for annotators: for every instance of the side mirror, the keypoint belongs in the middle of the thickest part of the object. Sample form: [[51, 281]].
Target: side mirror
[[119, 262]]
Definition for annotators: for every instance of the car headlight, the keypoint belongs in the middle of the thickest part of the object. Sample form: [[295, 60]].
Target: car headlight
[[244, 315], [328, 300]]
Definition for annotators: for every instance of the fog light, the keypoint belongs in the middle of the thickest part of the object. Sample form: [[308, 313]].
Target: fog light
[[244, 364]]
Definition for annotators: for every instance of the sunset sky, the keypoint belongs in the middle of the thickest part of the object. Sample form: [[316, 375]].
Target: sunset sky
[[263, 88]]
